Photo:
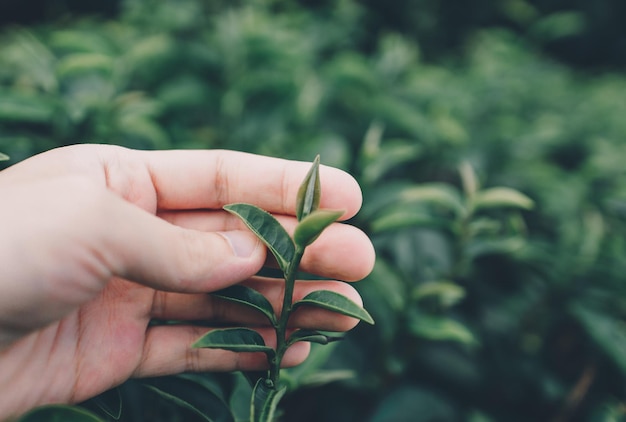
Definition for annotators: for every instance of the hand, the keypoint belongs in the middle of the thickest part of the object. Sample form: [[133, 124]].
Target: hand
[[95, 241]]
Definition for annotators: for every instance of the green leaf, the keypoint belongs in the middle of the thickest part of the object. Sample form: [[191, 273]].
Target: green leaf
[[268, 229], [469, 180], [408, 218], [241, 395], [179, 402], [323, 377], [406, 402], [440, 329], [391, 155], [196, 396], [26, 108], [502, 197], [80, 63], [308, 199], [3, 157], [59, 413], [439, 194], [110, 402], [311, 226], [335, 302], [265, 401], [234, 339], [249, 297], [311, 336], [445, 293], [605, 330], [505, 246]]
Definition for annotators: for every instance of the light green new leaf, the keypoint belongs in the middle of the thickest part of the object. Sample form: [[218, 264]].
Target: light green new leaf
[[398, 219], [308, 199], [335, 302], [234, 339], [440, 329], [59, 413], [268, 229], [313, 225], [265, 401], [311, 336], [445, 293], [438, 194], [81, 63], [502, 197], [16, 108], [249, 297], [3, 157]]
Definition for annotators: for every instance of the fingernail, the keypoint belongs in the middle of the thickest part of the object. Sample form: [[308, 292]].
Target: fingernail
[[242, 244]]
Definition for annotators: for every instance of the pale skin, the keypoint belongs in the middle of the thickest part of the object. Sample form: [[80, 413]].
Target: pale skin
[[96, 241]]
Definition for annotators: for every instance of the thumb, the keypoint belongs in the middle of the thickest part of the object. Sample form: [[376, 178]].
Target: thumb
[[161, 255]]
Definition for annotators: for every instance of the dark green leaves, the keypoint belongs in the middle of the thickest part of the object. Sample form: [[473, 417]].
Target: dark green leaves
[[249, 297], [265, 399], [179, 402], [59, 413], [308, 199], [335, 302], [312, 226], [312, 336], [268, 229], [235, 340]]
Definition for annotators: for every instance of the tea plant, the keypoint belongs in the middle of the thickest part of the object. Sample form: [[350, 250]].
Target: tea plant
[[288, 252]]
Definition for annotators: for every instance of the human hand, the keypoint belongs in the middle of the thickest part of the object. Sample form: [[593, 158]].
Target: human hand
[[96, 241]]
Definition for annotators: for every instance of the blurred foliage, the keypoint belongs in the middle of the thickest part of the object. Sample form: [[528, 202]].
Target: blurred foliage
[[490, 304]]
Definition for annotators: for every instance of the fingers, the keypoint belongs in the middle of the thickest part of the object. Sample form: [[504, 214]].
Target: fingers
[[342, 252], [191, 179], [212, 179], [189, 307], [168, 351]]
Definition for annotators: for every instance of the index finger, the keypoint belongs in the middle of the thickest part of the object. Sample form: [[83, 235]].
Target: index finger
[[200, 179]]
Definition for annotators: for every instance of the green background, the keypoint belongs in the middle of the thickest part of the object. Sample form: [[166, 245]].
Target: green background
[[487, 308]]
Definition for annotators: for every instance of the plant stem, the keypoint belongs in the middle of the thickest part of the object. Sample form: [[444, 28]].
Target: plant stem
[[281, 328]]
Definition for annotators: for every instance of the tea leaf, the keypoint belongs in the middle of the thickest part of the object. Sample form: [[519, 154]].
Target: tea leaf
[[202, 391], [312, 336], [59, 413], [446, 293], [404, 218], [438, 194], [469, 179], [249, 297], [335, 302], [80, 63], [605, 330], [234, 339], [268, 229], [313, 224], [308, 199], [179, 402], [265, 400], [26, 109], [110, 402], [440, 329], [502, 197]]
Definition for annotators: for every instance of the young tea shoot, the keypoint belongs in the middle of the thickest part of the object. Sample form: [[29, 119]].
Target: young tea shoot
[[288, 252]]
